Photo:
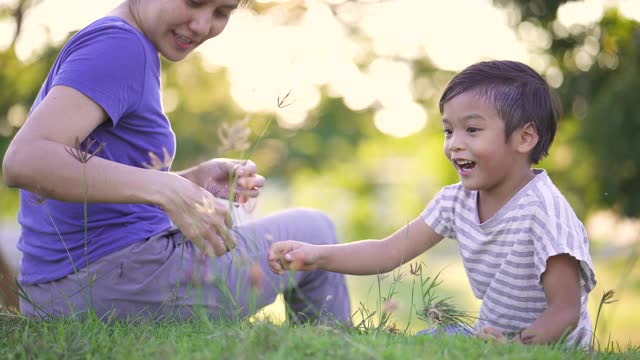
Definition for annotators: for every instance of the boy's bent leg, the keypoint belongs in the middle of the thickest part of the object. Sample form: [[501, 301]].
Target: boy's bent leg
[[316, 296]]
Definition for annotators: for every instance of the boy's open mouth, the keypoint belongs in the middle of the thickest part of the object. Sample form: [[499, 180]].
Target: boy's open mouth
[[464, 165]]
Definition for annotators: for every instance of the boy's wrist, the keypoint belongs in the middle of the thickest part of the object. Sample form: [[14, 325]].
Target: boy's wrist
[[320, 257]]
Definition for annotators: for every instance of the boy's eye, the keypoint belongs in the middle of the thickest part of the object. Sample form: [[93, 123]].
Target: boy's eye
[[448, 132], [472, 129], [196, 2]]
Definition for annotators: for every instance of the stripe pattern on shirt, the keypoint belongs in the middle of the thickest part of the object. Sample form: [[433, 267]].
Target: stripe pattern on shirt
[[505, 256]]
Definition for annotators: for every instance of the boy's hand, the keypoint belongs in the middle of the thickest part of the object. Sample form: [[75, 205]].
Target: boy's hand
[[292, 255], [490, 333]]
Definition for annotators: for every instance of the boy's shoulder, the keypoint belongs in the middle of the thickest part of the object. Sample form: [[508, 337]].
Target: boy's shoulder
[[545, 196], [456, 189], [540, 196], [456, 193]]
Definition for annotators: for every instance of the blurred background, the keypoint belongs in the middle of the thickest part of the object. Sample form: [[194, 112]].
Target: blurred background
[[336, 101]]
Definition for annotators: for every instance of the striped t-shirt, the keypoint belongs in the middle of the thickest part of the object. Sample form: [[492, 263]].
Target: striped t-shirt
[[505, 256]]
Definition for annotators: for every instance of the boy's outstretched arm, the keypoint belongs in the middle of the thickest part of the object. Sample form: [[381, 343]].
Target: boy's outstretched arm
[[364, 257], [561, 283]]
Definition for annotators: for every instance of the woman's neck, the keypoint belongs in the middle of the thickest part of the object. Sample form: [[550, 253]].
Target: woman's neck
[[124, 12]]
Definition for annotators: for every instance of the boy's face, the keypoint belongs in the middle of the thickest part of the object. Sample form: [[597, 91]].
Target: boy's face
[[476, 146], [176, 27]]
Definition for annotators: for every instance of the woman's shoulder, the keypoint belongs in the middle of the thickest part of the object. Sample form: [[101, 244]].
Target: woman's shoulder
[[109, 29], [109, 40], [108, 23]]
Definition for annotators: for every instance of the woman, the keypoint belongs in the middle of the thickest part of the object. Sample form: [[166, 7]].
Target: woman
[[103, 230]]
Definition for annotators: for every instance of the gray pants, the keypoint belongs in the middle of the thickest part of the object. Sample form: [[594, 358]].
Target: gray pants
[[166, 276]]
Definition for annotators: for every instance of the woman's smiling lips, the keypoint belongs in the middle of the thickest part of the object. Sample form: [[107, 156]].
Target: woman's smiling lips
[[183, 42]]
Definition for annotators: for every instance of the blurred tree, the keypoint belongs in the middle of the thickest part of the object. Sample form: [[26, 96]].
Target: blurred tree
[[17, 13], [597, 63], [604, 99], [197, 99], [599, 75], [19, 85], [540, 11]]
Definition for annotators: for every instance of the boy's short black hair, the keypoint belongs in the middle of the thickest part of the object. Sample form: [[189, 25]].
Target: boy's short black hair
[[518, 93]]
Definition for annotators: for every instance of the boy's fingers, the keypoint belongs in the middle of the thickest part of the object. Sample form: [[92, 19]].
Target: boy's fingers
[[295, 260], [275, 267], [482, 334], [487, 333], [493, 334]]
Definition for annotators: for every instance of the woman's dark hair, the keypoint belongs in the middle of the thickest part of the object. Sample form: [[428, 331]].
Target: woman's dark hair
[[517, 92]]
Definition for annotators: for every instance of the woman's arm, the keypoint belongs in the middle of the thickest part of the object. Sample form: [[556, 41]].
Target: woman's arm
[[357, 258], [38, 160]]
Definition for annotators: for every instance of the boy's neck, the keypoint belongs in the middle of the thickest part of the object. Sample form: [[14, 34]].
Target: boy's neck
[[490, 202]]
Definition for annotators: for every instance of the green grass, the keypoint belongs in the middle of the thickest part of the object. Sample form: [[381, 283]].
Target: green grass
[[266, 335], [21, 338], [619, 321]]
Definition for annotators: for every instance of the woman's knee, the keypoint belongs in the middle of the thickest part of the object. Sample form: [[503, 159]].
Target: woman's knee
[[318, 216], [317, 224]]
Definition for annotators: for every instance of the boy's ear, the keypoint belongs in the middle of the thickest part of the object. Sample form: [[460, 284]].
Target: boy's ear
[[527, 138]]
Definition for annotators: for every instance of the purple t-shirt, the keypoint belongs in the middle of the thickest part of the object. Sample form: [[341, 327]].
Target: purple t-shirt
[[118, 68]]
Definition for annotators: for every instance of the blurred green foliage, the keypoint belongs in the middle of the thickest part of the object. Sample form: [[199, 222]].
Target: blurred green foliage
[[604, 101], [599, 63], [19, 85], [372, 183], [539, 11]]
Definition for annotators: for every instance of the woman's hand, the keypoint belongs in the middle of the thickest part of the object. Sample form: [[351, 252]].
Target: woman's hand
[[225, 178], [194, 210], [292, 255]]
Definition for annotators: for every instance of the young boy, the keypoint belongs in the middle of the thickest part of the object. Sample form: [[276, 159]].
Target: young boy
[[525, 252]]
